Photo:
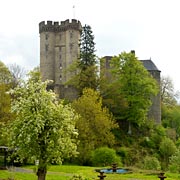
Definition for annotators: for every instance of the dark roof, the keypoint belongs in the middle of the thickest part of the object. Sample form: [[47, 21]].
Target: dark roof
[[107, 57], [149, 65]]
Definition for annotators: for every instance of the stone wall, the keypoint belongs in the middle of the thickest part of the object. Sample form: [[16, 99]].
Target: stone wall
[[59, 48]]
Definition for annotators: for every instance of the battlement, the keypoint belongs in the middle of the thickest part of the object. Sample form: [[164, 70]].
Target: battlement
[[55, 26]]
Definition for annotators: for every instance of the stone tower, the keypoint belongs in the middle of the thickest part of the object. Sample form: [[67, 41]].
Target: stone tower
[[155, 109], [59, 47]]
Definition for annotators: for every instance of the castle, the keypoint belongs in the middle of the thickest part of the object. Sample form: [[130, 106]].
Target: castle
[[59, 47], [155, 109]]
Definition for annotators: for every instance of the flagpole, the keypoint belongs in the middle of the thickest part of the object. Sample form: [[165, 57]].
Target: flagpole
[[73, 11]]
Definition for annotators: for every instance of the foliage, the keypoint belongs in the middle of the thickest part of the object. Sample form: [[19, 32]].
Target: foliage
[[78, 177], [135, 85], [170, 118], [157, 134], [174, 165], [94, 125], [87, 78], [151, 163], [5, 75], [109, 89], [128, 90], [105, 156], [5, 115], [86, 70], [44, 129], [168, 94], [5, 103], [87, 48], [167, 149]]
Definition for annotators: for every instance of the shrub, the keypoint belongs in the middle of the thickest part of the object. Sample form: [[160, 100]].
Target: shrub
[[167, 148], [174, 165], [105, 156], [78, 177], [151, 163]]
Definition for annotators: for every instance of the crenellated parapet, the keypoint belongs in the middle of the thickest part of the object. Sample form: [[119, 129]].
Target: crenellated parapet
[[55, 26]]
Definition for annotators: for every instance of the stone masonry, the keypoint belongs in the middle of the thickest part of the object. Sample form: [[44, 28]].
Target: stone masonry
[[59, 47]]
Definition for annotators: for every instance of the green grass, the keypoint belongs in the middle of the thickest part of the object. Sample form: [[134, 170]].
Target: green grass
[[65, 172]]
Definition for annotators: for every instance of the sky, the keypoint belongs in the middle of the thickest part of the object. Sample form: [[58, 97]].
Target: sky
[[150, 27]]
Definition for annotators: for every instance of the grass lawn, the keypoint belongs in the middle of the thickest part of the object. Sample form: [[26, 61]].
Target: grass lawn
[[65, 172]]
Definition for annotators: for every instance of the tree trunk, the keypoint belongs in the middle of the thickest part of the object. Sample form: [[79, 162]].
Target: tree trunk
[[41, 173]]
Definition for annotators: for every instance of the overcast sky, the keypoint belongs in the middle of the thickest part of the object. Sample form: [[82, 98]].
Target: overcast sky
[[150, 27]]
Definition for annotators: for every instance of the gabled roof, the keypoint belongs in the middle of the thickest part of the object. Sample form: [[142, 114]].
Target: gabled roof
[[149, 65]]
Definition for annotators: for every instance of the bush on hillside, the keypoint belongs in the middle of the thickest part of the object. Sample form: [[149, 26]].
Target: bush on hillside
[[151, 163], [105, 156], [174, 165]]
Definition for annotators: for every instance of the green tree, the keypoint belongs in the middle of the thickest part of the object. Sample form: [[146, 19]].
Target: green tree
[[87, 48], [136, 86], [174, 165], [44, 129], [170, 118], [109, 90], [167, 148], [87, 76], [5, 75], [94, 125], [5, 115], [85, 69]]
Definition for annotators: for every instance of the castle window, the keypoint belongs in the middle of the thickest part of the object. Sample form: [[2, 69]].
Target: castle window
[[60, 66], [46, 47], [60, 56], [47, 36], [71, 34], [71, 46], [60, 78]]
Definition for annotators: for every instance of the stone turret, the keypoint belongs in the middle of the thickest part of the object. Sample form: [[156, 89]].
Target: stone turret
[[59, 47], [155, 109]]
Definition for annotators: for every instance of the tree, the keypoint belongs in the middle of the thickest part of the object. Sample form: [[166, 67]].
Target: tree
[[17, 72], [5, 115], [109, 90], [168, 94], [135, 85], [44, 129], [174, 165], [94, 125], [87, 76], [5, 75], [167, 148], [170, 118], [87, 48]]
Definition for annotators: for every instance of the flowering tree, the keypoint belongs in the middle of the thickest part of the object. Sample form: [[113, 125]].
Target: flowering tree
[[44, 129]]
